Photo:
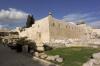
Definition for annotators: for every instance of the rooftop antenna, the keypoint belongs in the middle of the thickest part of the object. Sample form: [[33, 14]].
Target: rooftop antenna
[[50, 13]]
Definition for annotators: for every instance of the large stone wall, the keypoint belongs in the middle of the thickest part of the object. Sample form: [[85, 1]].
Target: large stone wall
[[47, 29], [63, 30]]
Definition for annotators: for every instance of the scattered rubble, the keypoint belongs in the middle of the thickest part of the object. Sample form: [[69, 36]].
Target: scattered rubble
[[94, 61], [36, 54], [50, 58], [44, 56]]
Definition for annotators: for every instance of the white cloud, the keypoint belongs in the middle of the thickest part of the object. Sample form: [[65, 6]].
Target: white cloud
[[95, 24], [89, 18], [2, 26], [12, 15], [75, 17]]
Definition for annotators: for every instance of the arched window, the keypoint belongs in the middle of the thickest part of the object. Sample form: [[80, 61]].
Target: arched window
[[69, 26], [66, 26], [72, 28], [38, 26], [39, 35], [53, 24], [59, 25]]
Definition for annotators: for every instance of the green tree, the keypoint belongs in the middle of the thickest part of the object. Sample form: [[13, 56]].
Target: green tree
[[30, 21]]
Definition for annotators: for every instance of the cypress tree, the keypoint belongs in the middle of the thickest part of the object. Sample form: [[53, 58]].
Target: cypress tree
[[30, 21]]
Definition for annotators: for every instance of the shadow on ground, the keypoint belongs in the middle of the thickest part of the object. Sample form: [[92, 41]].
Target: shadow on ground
[[9, 57]]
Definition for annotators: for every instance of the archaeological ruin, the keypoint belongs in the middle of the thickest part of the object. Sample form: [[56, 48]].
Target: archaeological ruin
[[57, 33], [54, 33]]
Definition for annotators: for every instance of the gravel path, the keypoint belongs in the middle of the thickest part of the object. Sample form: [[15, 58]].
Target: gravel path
[[9, 57]]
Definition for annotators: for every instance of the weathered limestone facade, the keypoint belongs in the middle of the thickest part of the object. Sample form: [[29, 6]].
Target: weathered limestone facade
[[51, 30], [96, 31]]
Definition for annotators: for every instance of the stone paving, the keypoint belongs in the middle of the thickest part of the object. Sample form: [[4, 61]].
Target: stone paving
[[9, 57]]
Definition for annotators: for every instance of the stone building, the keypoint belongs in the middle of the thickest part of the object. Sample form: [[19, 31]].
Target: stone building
[[51, 30]]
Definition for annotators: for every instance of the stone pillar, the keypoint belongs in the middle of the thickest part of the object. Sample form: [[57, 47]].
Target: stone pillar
[[39, 46], [39, 43]]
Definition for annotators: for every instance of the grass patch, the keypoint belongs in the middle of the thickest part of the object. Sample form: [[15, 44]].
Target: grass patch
[[74, 56]]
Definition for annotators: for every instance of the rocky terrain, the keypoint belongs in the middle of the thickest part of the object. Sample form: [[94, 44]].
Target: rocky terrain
[[94, 61]]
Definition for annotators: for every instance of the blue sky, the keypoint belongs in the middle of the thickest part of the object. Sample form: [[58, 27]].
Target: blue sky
[[68, 10]]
